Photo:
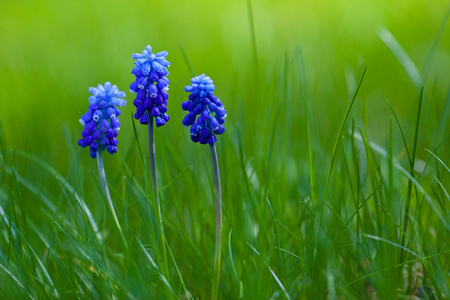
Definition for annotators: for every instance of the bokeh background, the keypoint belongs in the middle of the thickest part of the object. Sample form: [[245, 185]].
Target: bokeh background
[[51, 52]]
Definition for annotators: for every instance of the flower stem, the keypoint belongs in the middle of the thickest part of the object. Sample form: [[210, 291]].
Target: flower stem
[[218, 204], [109, 204], [151, 143]]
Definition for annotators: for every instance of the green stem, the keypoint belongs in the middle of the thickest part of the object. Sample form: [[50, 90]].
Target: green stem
[[151, 143], [218, 204], [109, 204], [413, 159]]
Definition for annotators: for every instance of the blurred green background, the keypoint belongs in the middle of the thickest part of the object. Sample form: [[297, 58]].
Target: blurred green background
[[51, 52]]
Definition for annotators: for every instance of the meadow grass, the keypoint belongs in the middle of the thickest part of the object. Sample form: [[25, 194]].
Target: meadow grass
[[334, 164]]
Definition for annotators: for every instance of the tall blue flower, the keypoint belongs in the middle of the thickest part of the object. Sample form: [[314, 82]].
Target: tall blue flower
[[151, 86], [101, 122], [209, 109]]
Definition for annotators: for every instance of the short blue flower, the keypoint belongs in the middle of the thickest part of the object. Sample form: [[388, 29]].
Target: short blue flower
[[151, 86], [209, 109], [101, 122]]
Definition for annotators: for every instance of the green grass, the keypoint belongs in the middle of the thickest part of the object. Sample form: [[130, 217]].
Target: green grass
[[334, 164]]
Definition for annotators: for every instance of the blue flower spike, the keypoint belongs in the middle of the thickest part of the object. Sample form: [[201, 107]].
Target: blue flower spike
[[101, 122], [101, 128], [209, 109], [206, 116], [151, 86]]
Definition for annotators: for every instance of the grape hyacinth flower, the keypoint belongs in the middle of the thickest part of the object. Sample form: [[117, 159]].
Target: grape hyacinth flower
[[151, 86], [101, 122], [210, 111], [101, 128], [211, 117]]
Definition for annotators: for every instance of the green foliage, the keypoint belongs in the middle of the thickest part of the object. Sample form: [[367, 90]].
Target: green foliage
[[328, 190]]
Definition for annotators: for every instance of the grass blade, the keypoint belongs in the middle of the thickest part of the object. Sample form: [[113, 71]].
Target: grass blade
[[280, 284], [154, 266], [187, 60], [438, 159], [252, 28], [341, 130], [401, 131], [390, 268], [436, 41], [413, 159], [16, 280], [403, 58]]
